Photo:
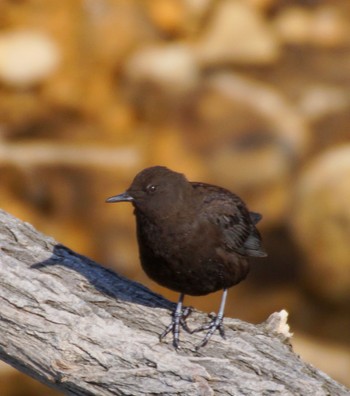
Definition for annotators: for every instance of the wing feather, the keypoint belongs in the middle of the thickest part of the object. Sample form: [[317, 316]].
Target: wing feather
[[237, 225]]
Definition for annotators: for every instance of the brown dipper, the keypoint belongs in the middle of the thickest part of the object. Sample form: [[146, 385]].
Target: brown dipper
[[194, 238]]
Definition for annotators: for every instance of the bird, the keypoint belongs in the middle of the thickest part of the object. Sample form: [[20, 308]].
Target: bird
[[193, 238]]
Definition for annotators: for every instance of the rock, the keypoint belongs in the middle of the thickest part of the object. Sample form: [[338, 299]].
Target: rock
[[320, 224], [329, 28], [292, 25], [237, 33], [319, 101], [172, 67], [27, 57], [322, 27]]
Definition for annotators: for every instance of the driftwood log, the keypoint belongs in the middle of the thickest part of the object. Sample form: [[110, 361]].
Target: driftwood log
[[84, 330]]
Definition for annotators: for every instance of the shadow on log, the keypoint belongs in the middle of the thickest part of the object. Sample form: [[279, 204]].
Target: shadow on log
[[84, 330]]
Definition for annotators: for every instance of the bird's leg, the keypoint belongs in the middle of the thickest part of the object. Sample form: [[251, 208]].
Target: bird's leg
[[215, 324], [178, 319], [186, 312]]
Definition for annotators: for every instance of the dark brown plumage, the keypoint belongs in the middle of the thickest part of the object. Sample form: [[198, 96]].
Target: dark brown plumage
[[194, 238]]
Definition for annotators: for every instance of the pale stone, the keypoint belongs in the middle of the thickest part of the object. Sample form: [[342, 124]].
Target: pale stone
[[321, 224], [329, 28], [172, 66], [293, 25], [323, 100], [323, 27], [237, 33], [27, 57]]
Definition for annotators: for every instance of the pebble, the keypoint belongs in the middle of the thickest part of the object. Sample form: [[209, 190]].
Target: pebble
[[324, 27], [171, 67], [320, 224], [237, 33], [27, 57]]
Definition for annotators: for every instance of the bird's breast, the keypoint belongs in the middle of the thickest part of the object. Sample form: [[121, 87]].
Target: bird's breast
[[187, 258]]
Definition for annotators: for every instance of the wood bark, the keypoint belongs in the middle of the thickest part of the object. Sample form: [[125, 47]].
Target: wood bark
[[85, 330]]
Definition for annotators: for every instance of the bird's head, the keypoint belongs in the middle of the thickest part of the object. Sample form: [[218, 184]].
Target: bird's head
[[156, 190]]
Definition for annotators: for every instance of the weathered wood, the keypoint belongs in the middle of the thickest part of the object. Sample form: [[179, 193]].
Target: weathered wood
[[85, 330]]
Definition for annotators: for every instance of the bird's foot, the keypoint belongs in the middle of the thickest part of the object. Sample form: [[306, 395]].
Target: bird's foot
[[178, 320], [217, 323]]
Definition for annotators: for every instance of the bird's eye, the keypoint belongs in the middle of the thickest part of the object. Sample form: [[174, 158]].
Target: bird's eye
[[151, 188]]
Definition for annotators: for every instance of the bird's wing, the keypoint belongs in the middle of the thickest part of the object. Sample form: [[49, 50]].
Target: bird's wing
[[235, 223]]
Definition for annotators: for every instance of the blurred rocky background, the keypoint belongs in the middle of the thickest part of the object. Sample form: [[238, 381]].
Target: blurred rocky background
[[253, 95]]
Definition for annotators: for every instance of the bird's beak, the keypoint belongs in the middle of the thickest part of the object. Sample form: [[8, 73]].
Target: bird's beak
[[124, 197]]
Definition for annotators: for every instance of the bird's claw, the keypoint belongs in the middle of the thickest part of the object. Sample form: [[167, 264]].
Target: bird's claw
[[217, 323], [178, 320]]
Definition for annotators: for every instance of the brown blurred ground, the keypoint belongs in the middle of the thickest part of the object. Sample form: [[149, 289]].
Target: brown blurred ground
[[252, 95]]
